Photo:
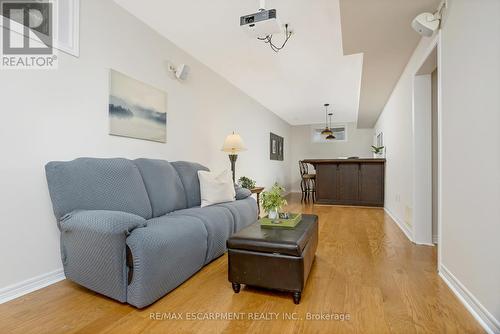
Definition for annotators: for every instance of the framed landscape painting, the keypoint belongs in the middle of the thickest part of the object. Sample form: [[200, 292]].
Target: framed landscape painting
[[136, 110]]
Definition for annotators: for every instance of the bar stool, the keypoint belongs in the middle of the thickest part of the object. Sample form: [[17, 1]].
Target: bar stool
[[307, 183]]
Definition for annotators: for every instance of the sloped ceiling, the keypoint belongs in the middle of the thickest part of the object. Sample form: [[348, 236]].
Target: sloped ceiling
[[295, 83], [380, 29], [349, 53]]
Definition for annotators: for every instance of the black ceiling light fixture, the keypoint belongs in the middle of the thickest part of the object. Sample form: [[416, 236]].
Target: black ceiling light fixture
[[330, 136], [327, 131]]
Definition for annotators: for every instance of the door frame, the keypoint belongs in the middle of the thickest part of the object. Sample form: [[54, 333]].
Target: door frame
[[421, 227]]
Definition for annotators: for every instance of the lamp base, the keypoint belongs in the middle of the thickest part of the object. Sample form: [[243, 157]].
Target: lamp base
[[233, 158]]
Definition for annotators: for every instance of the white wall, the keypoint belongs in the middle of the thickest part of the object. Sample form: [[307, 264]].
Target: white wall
[[422, 159], [435, 154], [397, 125], [358, 143], [469, 152], [470, 149], [62, 114]]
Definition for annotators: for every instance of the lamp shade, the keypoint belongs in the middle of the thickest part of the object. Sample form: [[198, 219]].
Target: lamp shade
[[330, 137], [327, 132], [233, 144]]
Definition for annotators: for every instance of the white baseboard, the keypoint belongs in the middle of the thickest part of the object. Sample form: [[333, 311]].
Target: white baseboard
[[478, 311], [19, 289], [401, 225]]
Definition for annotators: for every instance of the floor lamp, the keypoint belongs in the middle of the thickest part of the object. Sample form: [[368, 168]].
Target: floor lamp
[[233, 145]]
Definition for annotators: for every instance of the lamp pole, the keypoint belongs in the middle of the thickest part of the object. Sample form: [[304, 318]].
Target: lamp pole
[[233, 158]]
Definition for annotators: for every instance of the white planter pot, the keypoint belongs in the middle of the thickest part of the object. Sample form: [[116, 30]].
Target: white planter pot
[[273, 214]]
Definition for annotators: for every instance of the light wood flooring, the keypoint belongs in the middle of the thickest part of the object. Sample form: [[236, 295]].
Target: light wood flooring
[[365, 269]]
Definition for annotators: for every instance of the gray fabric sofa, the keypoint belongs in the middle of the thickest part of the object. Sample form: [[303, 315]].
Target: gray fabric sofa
[[134, 230]]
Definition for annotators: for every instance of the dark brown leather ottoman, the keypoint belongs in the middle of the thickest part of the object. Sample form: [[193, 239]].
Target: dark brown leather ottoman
[[273, 257]]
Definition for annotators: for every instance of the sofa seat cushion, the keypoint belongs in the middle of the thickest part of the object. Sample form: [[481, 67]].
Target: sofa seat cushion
[[165, 253], [219, 223], [245, 212]]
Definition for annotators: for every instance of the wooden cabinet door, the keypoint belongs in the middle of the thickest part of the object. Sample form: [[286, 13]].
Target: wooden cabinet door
[[348, 192], [371, 184], [326, 183]]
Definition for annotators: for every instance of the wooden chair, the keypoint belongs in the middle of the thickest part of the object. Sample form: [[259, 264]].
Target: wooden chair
[[307, 183]]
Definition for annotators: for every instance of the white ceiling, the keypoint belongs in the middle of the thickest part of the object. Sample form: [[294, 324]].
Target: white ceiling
[[381, 31], [294, 84]]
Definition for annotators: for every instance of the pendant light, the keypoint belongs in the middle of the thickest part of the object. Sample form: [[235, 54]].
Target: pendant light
[[330, 136], [327, 131]]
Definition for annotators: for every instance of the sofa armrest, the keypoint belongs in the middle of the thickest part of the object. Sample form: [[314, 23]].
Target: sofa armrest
[[93, 249], [241, 193]]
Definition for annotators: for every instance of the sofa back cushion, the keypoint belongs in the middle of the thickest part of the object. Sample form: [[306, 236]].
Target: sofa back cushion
[[97, 184], [188, 172], [163, 184]]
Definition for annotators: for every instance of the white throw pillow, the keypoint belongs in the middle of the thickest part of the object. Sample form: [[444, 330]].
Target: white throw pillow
[[215, 188]]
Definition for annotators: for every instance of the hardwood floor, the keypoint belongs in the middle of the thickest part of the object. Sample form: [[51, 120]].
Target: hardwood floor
[[365, 269]]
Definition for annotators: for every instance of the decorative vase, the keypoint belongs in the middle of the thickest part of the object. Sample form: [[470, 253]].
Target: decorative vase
[[273, 214]]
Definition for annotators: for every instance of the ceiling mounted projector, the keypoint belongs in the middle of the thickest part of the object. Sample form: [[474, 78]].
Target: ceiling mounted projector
[[264, 24], [426, 24]]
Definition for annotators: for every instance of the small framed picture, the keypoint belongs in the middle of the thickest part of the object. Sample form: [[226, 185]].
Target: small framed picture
[[380, 139], [276, 147]]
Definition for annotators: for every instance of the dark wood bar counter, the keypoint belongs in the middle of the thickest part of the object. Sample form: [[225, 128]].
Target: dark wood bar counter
[[349, 181]]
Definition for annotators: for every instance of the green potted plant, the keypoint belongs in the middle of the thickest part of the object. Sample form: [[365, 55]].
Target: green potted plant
[[272, 201], [377, 151], [246, 182]]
